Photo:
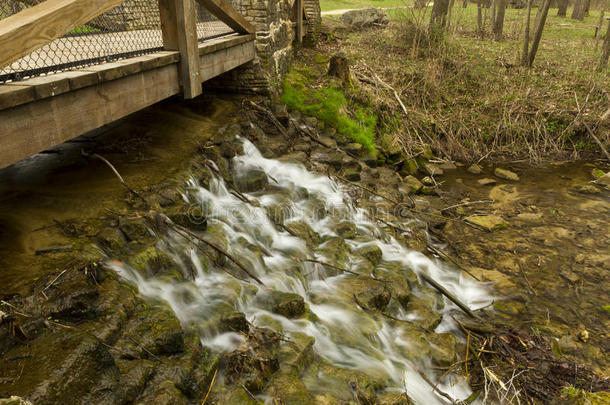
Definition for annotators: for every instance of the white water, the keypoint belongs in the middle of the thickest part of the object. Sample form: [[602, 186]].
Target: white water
[[344, 334]]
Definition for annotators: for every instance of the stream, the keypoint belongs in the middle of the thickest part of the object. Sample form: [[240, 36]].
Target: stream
[[345, 334]]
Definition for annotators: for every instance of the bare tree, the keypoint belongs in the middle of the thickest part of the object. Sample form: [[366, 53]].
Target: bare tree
[[603, 62], [498, 24], [578, 13], [562, 9], [438, 17], [600, 23], [480, 16], [538, 32], [526, 35]]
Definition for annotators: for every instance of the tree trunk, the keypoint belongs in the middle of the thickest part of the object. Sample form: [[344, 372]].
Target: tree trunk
[[499, 20], [538, 32], [465, 4], [438, 17], [451, 4], [578, 13], [603, 62], [480, 17], [526, 34], [562, 8], [585, 11], [339, 67]]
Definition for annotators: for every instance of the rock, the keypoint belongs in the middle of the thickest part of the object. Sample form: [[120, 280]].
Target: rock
[[587, 189], [346, 229], [409, 167], [605, 180], [297, 354], [14, 400], [447, 166], [570, 276], [506, 174], [395, 398], [411, 185], [352, 175], [597, 173], [426, 152], [475, 169], [328, 157], [302, 230], [290, 390], [428, 181], [487, 222], [421, 205], [371, 252], [234, 321], [580, 258], [486, 182], [442, 349], [296, 157], [134, 229], [251, 180], [353, 149], [286, 304], [328, 142], [431, 169], [371, 294], [364, 18]]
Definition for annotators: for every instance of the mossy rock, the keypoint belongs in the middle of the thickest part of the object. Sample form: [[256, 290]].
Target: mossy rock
[[302, 230], [288, 389], [371, 294], [152, 262], [283, 303], [335, 250], [443, 348], [371, 252], [346, 229], [297, 353], [251, 180]]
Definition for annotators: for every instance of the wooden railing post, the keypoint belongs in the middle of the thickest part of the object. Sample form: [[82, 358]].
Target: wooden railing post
[[179, 30], [300, 33]]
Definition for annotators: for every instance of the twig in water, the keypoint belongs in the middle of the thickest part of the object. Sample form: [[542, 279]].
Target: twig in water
[[467, 203], [332, 266], [447, 294], [116, 172], [182, 230], [210, 387], [525, 277], [435, 388], [365, 189]]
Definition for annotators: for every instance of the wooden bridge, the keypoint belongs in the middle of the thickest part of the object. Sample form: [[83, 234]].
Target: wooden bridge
[[42, 111]]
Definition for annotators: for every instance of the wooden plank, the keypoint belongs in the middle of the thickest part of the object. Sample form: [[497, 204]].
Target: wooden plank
[[15, 95], [37, 126], [179, 30], [222, 61], [34, 27], [226, 13], [213, 45]]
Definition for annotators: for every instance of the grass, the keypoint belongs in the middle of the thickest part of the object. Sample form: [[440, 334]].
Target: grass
[[83, 29], [330, 105], [466, 94]]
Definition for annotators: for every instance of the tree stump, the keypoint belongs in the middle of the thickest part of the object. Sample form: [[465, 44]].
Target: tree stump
[[339, 67]]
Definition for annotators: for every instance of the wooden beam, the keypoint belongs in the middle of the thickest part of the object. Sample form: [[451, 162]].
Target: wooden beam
[[34, 27], [223, 60], [179, 31], [33, 127], [226, 13], [300, 11]]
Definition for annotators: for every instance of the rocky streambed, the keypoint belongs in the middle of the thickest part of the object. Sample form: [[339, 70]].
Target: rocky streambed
[[258, 259]]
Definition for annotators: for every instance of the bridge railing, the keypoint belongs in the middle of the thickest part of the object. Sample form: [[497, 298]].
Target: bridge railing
[[123, 29]]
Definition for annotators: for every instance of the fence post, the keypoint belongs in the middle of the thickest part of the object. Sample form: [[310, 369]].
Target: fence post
[[179, 30], [300, 33]]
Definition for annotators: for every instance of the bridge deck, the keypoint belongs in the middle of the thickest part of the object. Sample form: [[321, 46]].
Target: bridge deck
[[41, 112]]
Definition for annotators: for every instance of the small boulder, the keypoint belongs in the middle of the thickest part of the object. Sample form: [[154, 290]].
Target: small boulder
[[251, 180], [486, 182], [431, 169], [353, 149], [371, 294], [411, 185], [605, 180], [448, 166], [286, 304], [597, 173], [365, 18], [475, 169], [488, 222], [506, 174], [587, 189], [428, 181], [371, 252]]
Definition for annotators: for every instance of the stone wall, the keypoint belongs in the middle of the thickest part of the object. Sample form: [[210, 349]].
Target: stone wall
[[275, 34]]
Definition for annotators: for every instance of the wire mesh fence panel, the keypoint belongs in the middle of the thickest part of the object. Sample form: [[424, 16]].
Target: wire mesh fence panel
[[130, 29]]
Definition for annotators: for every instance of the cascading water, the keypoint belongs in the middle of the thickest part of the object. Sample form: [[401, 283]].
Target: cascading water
[[346, 334]]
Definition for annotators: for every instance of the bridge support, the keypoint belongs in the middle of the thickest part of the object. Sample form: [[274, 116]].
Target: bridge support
[[179, 28]]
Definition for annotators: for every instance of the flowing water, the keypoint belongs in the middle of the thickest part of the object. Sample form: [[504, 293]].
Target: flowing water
[[346, 335]]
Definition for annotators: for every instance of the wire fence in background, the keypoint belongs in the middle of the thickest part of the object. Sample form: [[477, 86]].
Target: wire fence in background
[[130, 29]]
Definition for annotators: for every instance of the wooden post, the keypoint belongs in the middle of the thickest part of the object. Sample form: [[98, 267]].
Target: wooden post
[[179, 30], [300, 33]]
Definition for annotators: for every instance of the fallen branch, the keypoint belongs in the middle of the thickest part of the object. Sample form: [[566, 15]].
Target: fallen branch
[[596, 139], [210, 387], [332, 266], [435, 388], [116, 172], [448, 294], [182, 230]]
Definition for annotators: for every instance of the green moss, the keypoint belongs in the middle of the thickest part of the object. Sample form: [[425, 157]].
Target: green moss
[[606, 308], [330, 105]]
